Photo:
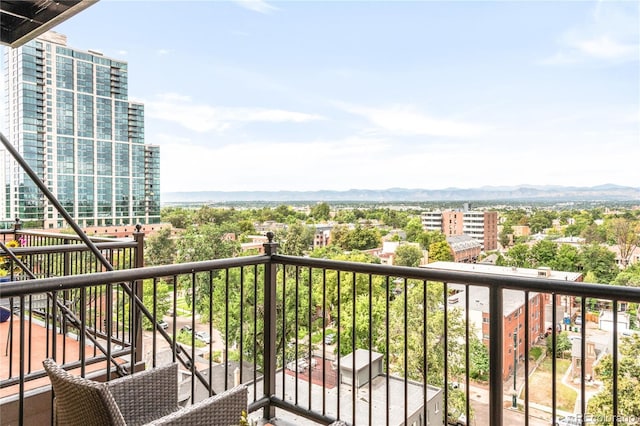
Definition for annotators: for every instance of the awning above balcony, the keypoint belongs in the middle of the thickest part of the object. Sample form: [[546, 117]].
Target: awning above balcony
[[23, 20]]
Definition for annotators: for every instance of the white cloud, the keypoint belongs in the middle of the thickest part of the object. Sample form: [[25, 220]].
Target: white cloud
[[189, 166], [204, 118], [404, 120], [610, 34], [163, 52], [122, 52], [259, 6], [606, 48]]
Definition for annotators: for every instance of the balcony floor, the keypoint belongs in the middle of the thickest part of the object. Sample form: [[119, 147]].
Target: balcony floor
[[36, 342]]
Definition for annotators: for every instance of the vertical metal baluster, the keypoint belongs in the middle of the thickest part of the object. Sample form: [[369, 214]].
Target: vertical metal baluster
[[324, 347], [495, 355], [405, 361], [284, 328], [297, 334], [353, 349], [526, 356], [615, 363], [583, 359], [241, 346], [310, 325], [270, 296], [370, 337], [339, 332], [467, 361], [446, 348], [554, 368]]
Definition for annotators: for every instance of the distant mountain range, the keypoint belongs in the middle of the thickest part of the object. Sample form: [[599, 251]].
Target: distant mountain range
[[607, 192]]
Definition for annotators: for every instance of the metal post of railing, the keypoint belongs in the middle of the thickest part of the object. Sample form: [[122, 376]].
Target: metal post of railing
[[269, 354], [495, 355], [17, 225], [138, 289]]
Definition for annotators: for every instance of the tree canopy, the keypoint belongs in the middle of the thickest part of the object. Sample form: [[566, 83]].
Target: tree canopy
[[628, 383]]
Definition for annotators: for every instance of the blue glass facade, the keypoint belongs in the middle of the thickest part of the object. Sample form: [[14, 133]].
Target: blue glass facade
[[70, 117]]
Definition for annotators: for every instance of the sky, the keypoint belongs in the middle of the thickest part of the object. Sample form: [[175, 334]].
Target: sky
[[303, 95]]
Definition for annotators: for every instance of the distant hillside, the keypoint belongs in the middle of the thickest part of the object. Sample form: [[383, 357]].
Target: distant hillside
[[516, 193]]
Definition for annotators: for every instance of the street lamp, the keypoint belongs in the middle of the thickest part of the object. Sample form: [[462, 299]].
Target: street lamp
[[514, 400]]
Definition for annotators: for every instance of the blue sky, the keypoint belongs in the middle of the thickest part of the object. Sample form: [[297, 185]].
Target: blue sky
[[255, 95]]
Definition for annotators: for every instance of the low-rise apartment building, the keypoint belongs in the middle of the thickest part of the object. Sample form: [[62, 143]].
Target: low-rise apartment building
[[513, 330], [479, 225]]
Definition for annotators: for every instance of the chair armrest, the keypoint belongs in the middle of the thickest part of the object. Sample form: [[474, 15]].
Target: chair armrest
[[147, 395], [224, 409]]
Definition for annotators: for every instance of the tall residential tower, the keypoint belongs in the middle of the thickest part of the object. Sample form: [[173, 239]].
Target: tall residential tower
[[69, 116]]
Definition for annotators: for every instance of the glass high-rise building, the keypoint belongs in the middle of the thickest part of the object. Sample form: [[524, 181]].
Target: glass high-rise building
[[69, 116]]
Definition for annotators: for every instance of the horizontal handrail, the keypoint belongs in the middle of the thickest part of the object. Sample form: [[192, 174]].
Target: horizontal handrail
[[23, 288], [542, 285], [70, 248]]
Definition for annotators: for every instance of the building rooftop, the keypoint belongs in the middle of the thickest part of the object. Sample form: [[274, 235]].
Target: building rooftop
[[479, 296], [377, 397], [505, 270], [462, 242], [362, 359]]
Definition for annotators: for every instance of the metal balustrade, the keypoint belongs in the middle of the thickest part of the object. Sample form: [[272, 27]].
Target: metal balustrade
[[313, 339]]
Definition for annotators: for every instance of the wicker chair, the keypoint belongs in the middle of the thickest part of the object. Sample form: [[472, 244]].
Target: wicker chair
[[149, 397]]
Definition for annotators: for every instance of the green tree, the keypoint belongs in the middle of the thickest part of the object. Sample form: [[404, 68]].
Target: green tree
[[543, 253], [345, 216], [519, 255], [626, 234], [629, 277], [321, 211], [594, 234], [479, 359], [205, 242], [160, 248], [505, 235], [296, 240], [413, 229], [178, 217], [567, 259], [419, 327], [394, 218], [541, 220], [440, 251], [628, 384], [339, 236], [408, 255], [599, 260], [426, 238], [360, 238], [563, 344]]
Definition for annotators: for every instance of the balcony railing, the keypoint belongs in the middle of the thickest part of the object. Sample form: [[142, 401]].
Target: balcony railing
[[313, 339]]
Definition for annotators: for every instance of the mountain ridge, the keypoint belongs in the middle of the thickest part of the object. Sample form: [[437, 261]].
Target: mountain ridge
[[604, 192]]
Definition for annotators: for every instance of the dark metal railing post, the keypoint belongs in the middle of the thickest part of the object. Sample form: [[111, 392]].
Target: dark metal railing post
[[495, 356], [138, 290], [270, 274], [17, 225]]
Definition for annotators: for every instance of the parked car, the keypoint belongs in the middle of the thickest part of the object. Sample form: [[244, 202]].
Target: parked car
[[203, 336], [163, 324], [186, 328], [578, 320], [329, 339]]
